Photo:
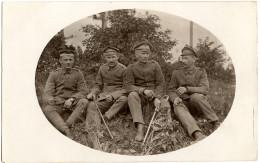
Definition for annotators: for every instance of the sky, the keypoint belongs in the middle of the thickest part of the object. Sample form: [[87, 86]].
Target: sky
[[180, 28]]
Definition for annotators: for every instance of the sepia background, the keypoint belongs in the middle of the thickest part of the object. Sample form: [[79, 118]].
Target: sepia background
[[228, 133]]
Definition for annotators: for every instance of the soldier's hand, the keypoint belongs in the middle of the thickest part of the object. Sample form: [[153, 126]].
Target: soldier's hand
[[109, 98], [67, 104], [148, 93], [181, 90], [157, 103], [177, 100], [51, 101], [90, 96]]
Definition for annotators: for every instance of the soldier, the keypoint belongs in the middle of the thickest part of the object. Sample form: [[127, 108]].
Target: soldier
[[109, 85], [145, 84], [187, 91], [65, 91]]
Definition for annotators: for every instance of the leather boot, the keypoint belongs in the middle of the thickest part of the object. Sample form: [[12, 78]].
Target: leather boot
[[198, 136], [140, 132]]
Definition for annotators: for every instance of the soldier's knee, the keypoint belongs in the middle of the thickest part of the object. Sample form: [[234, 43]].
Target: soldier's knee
[[83, 101], [197, 97], [133, 95]]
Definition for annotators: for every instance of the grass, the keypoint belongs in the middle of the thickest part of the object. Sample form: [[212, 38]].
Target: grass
[[164, 136]]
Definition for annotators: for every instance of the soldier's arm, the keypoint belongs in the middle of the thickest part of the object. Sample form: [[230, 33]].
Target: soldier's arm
[[82, 90], [49, 88], [171, 91], [98, 84], [129, 82], [203, 85]]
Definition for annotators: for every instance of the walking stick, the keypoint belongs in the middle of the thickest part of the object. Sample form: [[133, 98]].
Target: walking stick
[[156, 110], [102, 117]]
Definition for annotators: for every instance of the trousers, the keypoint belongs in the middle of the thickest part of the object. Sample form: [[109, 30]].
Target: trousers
[[196, 104], [54, 114], [112, 108], [139, 106], [109, 108]]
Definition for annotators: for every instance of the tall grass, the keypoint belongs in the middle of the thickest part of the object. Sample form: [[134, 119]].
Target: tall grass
[[220, 97]]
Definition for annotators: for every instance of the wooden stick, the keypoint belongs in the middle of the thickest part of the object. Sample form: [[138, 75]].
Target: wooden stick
[[102, 118]]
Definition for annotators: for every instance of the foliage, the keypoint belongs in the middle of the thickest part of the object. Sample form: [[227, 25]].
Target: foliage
[[164, 136], [126, 28], [215, 61]]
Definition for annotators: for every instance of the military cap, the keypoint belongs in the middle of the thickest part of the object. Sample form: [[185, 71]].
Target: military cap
[[66, 50], [145, 42], [188, 50], [110, 49]]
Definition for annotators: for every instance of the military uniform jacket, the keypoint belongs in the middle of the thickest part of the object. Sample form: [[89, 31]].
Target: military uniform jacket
[[110, 81], [63, 85], [194, 80], [139, 77]]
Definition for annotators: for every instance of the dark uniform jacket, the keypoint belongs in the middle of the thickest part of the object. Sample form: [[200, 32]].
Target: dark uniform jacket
[[110, 81], [140, 76], [195, 81], [63, 85]]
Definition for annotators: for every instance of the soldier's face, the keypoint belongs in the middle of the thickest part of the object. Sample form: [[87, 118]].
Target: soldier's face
[[187, 60], [67, 61], [111, 59], [143, 53]]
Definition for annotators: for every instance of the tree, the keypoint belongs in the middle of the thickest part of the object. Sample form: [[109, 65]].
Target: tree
[[215, 61], [126, 27]]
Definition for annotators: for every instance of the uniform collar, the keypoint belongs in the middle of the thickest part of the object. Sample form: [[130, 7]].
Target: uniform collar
[[143, 64], [64, 71], [113, 68], [190, 71]]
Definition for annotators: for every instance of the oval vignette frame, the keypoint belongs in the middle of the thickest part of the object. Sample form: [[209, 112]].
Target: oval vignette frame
[[88, 60]]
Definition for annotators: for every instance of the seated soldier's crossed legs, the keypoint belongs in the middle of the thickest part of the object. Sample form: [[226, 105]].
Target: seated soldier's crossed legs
[[112, 108], [202, 105], [187, 120], [80, 107], [119, 104], [109, 108], [53, 113]]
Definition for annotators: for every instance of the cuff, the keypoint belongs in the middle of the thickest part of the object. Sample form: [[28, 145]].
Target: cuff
[[187, 89]]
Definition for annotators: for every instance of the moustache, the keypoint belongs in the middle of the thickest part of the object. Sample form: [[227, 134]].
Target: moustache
[[111, 62]]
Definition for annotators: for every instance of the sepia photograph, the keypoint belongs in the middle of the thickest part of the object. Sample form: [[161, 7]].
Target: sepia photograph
[[103, 81], [135, 82]]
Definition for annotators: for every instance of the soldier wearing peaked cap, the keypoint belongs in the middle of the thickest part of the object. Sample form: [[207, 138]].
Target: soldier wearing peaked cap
[[145, 84], [65, 91], [187, 91], [188, 50], [109, 86]]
